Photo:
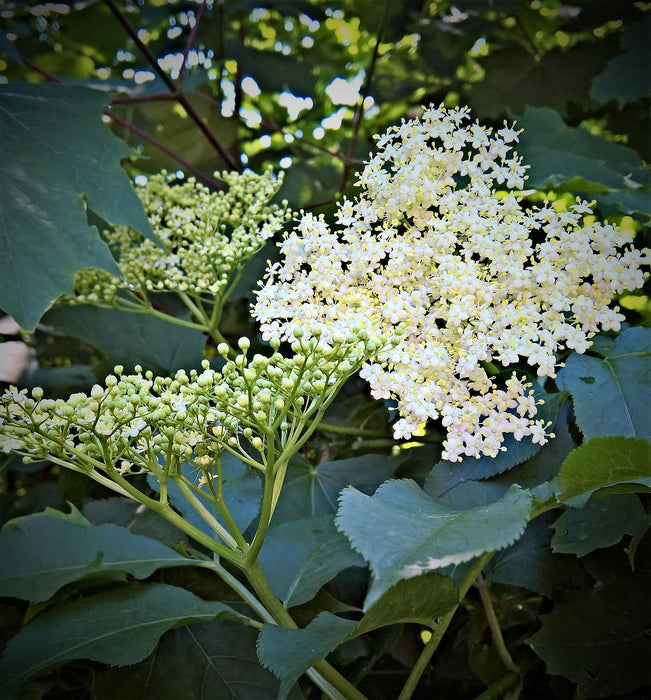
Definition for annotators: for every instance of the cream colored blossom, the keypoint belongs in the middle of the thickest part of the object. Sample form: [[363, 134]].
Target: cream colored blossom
[[440, 249]]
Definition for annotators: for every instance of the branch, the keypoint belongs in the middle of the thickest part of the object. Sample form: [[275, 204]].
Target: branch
[[366, 88], [155, 142], [494, 625], [44, 73], [180, 97], [158, 97], [189, 43]]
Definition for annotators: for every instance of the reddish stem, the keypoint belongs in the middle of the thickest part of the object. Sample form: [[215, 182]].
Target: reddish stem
[[144, 135], [158, 97], [189, 43], [44, 73], [178, 95], [348, 163]]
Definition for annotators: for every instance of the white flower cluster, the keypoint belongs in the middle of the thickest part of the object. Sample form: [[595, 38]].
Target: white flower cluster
[[140, 422], [440, 248], [206, 238]]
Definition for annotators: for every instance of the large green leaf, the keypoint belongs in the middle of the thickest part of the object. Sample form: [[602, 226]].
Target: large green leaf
[[310, 491], [611, 394], [55, 152], [515, 77], [606, 462], [129, 339], [402, 532], [117, 627], [42, 552], [599, 639], [559, 154], [289, 653], [529, 563], [626, 77], [299, 557], [599, 523], [204, 661]]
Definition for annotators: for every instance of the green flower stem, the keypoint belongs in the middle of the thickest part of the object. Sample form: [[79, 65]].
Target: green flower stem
[[198, 312], [267, 617], [266, 509], [166, 511], [440, 628], [205, 514], [497, 690], [92, 473], [494, 625], [343, 688]]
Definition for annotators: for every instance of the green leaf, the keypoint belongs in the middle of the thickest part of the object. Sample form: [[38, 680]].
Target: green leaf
[[36, 556], [605, 462], [626, 77], [610, 394], [129, 339], [515, 78], [204, 661], [529, 563], [56, 151], [301, 556], [310, 491], [288, 653], [402, 532], [420, 599], [117, 627], [172, 125], [599, 639], [559, 154], [600, 523]]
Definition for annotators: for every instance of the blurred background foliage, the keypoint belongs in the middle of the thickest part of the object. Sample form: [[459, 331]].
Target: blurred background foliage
[[304, 85]]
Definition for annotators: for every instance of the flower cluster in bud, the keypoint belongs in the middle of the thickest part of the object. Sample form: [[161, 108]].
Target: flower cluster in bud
[[136, 423], [440, 247], [206, 238]]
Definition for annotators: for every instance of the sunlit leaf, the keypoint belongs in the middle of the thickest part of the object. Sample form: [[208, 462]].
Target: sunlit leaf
[[612, 462], [420, 599], [402, 532]]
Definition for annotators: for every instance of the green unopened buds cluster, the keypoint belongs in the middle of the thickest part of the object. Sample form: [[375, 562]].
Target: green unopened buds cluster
[[142, 423], [204, 239]]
